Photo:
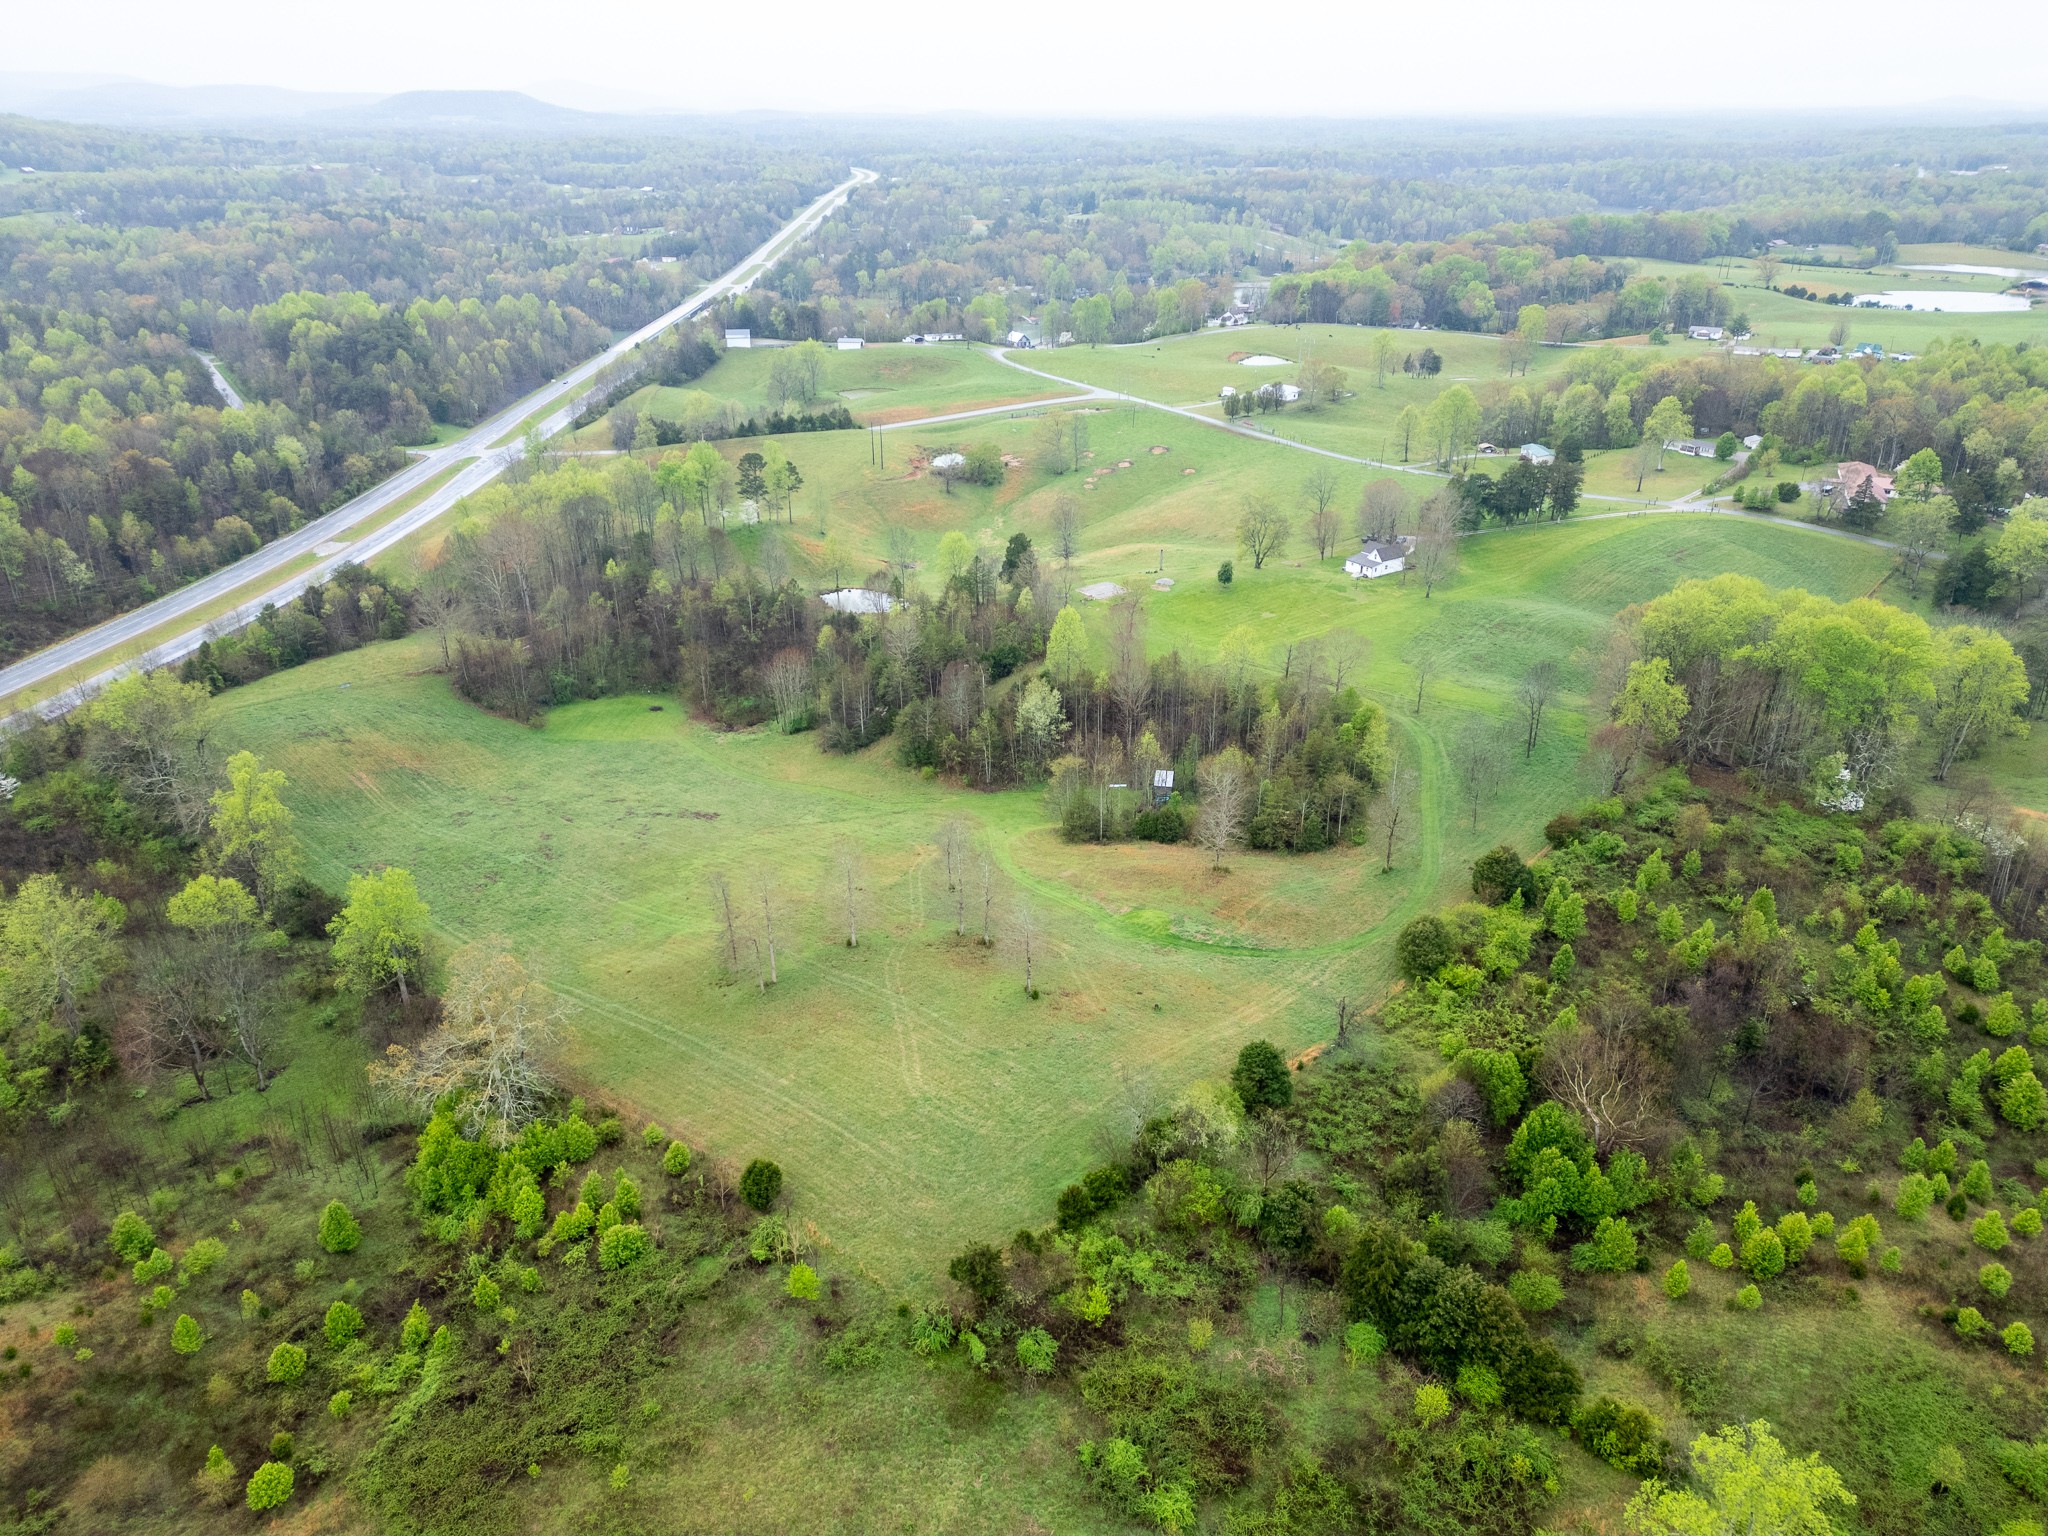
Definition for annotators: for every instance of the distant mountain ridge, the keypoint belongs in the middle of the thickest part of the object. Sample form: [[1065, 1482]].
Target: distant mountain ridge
[[120, 102]]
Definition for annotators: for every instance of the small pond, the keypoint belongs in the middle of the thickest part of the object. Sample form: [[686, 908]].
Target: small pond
[[1947, 303]]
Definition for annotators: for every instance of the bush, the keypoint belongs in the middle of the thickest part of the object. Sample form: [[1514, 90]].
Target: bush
[[2019, 1340], [343, 1323], [1622, 1435], [623, 1246], [1036, 1350], [1534, 1291], [338, 1230], [1074, 1208], [131, 1237], [2026, 1222], [339, 1404], [1261, 1078], [1425, 947], [761, 1185], [484, 1294], [269, 1486], [1748, 1299], [1498, 1077], [1498, 873], [675, 1162], [1479, 1385], [1612, 1250], [185, 1335], [979, 1272], [1363, 1344], [287, 1365], [1970, 1323], [1915, 1195], [1977, 1182], [1432, 1404], [203, 1255], [1989, 1231], [1677, 1281], [152, 1269], [1995, 1278], [801, 1284]]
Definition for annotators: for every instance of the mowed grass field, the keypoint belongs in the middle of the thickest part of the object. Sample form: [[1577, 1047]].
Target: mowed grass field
[[914, 1094], [881, 383]]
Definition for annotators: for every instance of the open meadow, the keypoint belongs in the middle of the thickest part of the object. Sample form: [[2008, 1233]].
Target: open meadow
[[908, 1085]]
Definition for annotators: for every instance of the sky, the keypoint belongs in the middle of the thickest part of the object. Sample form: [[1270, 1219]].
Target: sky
[[1193, 58]]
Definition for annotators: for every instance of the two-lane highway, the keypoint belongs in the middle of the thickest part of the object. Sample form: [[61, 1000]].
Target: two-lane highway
[[27, 677]]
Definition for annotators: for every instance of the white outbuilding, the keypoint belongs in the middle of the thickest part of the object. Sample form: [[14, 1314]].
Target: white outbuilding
[[1376, 559]]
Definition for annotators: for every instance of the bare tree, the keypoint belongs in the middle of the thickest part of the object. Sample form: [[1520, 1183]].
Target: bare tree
[[1607, 1076], [1066, 527], [1319, 494], [1534, 693], [1424, 668], [1394, 797], [988, 895], [1224, 784], [899, 545], [180, 1024], [768, 928], [953, 848], [1347, 1015], [721, 904], [1435, 556], [1271, 1150], [1348, 652], [488, 1050], [789, 685], [1024, 926], [1381, 509], [1477, 761], [849, 883], [438, 605]]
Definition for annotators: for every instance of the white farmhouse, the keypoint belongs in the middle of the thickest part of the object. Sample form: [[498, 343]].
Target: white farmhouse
[[738, 340], [851, 343], [1377, 559]]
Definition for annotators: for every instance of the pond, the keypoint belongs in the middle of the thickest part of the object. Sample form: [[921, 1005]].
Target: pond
[[1970, 271], [1948, 303]]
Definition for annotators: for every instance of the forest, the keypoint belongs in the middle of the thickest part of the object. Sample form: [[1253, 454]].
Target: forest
[[361, 293]]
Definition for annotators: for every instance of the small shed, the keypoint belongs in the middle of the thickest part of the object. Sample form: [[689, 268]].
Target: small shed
[[1536, 453], [738, 340], [1162, 785], [851, 343]]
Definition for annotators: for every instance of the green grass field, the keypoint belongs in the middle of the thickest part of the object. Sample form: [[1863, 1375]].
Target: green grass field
[[909, 1087], [881, 383]]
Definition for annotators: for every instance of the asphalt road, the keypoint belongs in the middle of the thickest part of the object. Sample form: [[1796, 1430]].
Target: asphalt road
[[31, 674]]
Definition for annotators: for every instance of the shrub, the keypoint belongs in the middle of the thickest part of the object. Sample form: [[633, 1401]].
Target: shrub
[[1479, 1385], [529, 1211], [979, 1272], [1795, 1233], [1989, 1231], [1498, 873], [1977, 1182], [1995, 1278], [203, 1255], [152, 1269], [761, 1184], [1915, 1195], [2026, 1222], [1534, 1291], [1764, 1255], [217, 1481], [1891, 1261], [1748, 1299], [1036, 1350], [269, 1486], [1677, 1281], [623, 1246], [675, 1162], [1699, 1242], [2002, 1018], [801, 1284], [1984, 974], [252, 1306], [579, 1139], [1363, 1344], [1425, 946], [1612, 1250], [484, 1294], [339, 1404], [131, 1237], [1432, 1404], [343, 1323], [287, 1365], [2019, 1339], [1498, 1077], [1723, 1257], [1625, 904], [1970, 1323], [185, 1335], [1074, 1208], [338, 1230], [1622, 1435], [626, 1198], [1261, 1078]]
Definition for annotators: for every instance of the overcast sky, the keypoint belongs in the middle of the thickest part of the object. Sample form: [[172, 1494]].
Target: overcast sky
[[1344, 58]]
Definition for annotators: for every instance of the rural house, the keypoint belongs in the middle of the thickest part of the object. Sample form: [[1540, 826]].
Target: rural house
[[851, 343], [1705, 332], [1536, 453], [1377, 559], [1162, 785], [738, 340]]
